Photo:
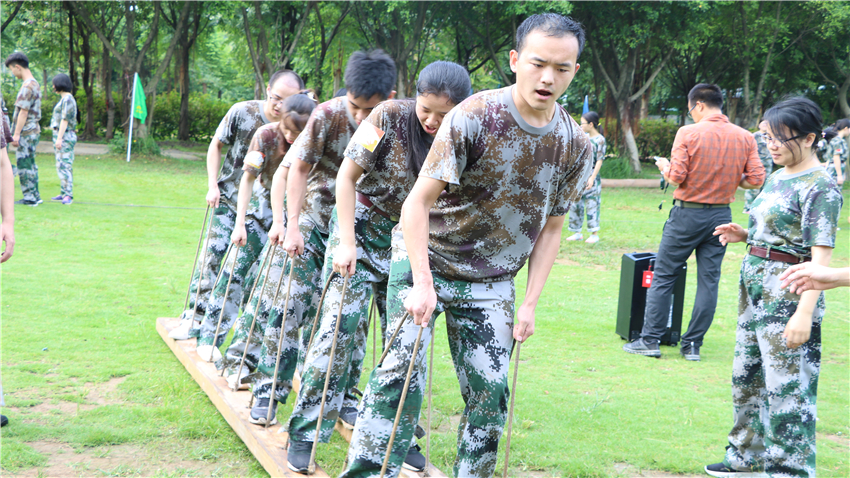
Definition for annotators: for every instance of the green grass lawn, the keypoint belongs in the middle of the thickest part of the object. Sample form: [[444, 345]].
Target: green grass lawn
[[89, 382]]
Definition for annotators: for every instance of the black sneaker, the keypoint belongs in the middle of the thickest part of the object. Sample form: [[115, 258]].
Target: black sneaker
[[414, 461], [419, 432], [642, 347], [690, 351], [298, 456], [720, 470], [348, 415], [3, 421], [261, 410]]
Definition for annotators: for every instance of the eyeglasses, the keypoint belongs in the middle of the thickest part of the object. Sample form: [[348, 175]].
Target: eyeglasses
[[778, 142], [275, 100], [695, 105]]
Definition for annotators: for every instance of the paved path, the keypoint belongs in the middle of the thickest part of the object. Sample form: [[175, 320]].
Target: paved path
[[46, 147]]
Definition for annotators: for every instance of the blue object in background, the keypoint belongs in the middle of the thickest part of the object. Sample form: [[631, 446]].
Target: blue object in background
[[586, 106]]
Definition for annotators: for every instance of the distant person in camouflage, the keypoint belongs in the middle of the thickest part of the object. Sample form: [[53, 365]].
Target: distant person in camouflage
[[766, 161], [253, 219], [235, 130], [380, 167], [837, 151], [778, 341], [313, 163], [590, 202], [25, 128], [491, 195], [64, 126]]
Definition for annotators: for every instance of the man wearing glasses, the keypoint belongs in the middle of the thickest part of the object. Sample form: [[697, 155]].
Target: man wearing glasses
[[235, 130], [710, 160]]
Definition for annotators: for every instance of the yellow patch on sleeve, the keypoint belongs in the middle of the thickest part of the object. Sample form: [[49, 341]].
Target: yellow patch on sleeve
[[254, 159], [368, 136]]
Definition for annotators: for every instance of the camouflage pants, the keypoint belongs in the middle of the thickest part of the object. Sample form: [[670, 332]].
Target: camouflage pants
[[752, 194], [830, 168], [373, 235], [27, 169], [774, 388], [239, 271], [305, 290], [479, 321], [590, 203], [65, 163]]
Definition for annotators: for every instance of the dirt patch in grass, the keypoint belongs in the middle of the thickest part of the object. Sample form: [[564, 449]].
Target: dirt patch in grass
[[842, 440], [104, 393], [97, 395], [625, 469], [123, 460]]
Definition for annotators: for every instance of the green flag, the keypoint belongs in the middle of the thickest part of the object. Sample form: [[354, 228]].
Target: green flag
[[140, 110]]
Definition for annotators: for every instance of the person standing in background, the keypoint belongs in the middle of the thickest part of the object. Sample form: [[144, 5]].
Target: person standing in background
[[766, 161], [590, 202], [25, 126], [64, 126]]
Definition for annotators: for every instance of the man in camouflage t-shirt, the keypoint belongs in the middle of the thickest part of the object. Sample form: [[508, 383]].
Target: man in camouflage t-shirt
[[313, 162], [235, 130], [766, 161], [504, 166], [26, 130]]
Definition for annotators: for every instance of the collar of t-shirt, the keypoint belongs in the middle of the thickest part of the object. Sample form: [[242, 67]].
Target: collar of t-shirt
[[718, 117], [783, 175], [263, 112], [351, 119], [508, 98]]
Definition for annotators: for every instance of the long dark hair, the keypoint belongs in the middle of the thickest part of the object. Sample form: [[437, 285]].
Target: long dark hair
[[800, 115], [298, 107], [441, 78], [592, 117]]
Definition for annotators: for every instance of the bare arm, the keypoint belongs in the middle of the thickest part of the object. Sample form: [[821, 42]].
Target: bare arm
[[239, 236], [539, 265], [7, 209], [422, 299], [345, 256], [278, 194], [213, 166], [19, 126], [296, 189], [811, 276], [664, 166], [799, 327], [593, 175], [63, 125]]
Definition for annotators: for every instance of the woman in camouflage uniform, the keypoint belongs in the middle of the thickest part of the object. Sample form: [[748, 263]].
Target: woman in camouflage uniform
[[778, 343], [591, 199], [380, 167], [836, 151], [64, 125]]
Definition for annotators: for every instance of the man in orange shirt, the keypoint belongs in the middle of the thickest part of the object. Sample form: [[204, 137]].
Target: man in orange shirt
[[710, 160]]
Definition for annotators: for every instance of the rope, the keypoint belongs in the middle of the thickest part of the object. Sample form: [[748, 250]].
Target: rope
[[430, 378], [137, 205], [279, 344], [318, 312], [392, 338], [201, 275], [511, 411], [195, 262], [223, 302], [311, 468]]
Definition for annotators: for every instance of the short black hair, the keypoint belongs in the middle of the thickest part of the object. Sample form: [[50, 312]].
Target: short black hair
[[842, 123], [62, 82], [592, 117], [709, 94], [17, 58], [799, 115], [551, 24], [370, 73], [286, 74]]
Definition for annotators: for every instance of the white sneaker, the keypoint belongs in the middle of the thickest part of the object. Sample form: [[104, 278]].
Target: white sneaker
[[204, 352], [575, 237], [181, 332], [593, 239], [233, 380]]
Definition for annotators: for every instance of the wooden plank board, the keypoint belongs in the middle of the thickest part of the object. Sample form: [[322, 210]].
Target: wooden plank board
[[267, 445]]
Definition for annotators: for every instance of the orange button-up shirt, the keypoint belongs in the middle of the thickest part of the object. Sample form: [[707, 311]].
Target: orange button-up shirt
[[709, 159]]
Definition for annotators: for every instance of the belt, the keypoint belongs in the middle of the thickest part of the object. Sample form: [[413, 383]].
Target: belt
[[696, 205], [774, 255], [364, 200]]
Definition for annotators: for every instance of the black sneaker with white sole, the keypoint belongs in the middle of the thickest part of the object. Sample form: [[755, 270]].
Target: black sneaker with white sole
[[414, 460], [261, 410], [720, 470], [642, 347], [298, 456], [348, 415], [690, 351]]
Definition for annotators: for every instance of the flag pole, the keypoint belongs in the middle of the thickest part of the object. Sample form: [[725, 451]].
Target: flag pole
[[132, 110]]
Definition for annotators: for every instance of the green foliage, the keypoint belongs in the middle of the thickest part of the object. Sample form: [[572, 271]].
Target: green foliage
[[141, 146], [656, 138], [205, 113], [617, 167]]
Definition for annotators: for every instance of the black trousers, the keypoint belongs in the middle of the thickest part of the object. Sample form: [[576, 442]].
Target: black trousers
[[686, 230]]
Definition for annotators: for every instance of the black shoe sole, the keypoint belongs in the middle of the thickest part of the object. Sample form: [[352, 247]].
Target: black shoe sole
[[645, 353], [302, 471], [408, 467]]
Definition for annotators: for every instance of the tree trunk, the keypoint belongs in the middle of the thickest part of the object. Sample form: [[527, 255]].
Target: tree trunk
[[842, 97], [183, 126], [107, 91], [625, 109], [72, 67], [88, 131]]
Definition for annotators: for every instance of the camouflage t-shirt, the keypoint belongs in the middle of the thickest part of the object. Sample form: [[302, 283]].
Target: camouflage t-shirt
[[236, 130], [764, 153], [322, 144], [837, 146], [265, 153], [65, 109], [505, 178], [380, 147], [598, 144], [795, 212], [29, 98]]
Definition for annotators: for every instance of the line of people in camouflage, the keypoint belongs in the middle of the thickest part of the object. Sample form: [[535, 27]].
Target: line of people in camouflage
[[322, 212]]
